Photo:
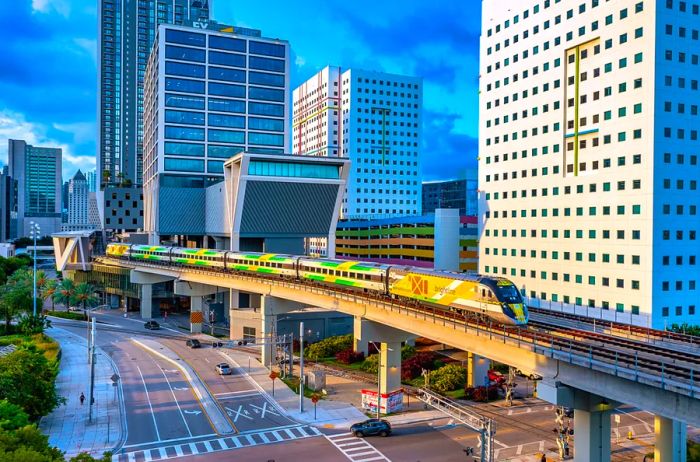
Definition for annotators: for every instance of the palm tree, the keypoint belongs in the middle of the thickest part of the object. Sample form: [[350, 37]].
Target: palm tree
[[85, 294], [49, 290], [64, 292]]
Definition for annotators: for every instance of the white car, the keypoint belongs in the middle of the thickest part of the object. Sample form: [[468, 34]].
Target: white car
[[223, 369]]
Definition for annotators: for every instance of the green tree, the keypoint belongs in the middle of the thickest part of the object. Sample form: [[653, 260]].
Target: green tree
[[27, 380], [48, 290], [84, 294], [30, 324], [15, 296], [448, 378], [65, 292], [12, 416], [27, 444], [85, 457]]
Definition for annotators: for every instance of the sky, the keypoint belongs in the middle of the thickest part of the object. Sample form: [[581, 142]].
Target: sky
[[48, 79]]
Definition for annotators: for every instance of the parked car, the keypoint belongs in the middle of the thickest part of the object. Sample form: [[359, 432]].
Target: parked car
[[223, 369], [496, 377], [528, 375], [151, 325], [371, 427], [193, 343]]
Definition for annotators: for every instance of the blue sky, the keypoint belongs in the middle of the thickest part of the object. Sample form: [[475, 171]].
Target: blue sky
[[48, 80]]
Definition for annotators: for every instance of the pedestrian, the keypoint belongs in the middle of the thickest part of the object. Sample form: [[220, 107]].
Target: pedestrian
[[544, 458], [82, 398]]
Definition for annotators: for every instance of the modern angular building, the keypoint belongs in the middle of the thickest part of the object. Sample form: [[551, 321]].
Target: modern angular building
[[208, 95], [452, 194], [127, 31], [588, 170], [37, 171], [374, 119]]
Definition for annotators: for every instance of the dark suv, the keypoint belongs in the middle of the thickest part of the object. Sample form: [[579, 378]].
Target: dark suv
[[371, 427], [193, 343]]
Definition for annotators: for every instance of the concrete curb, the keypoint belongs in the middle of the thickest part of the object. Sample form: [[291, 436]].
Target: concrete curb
[[215, 415]]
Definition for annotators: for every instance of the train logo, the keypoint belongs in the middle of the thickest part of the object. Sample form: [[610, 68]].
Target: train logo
[[419, 286]]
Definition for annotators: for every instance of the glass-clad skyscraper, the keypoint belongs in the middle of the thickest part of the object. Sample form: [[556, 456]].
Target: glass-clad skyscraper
[[209, 94], [127, 31]]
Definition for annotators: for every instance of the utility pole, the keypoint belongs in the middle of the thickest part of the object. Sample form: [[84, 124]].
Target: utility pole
[[91, 394], [301, 366]]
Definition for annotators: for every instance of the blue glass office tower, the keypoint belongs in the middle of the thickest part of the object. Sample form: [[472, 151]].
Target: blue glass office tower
[[209, 94], [127, 31]]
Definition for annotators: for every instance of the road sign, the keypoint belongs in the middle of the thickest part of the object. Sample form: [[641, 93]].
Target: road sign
[[115, 378], [273, 375], [617, 419], [314, 399]]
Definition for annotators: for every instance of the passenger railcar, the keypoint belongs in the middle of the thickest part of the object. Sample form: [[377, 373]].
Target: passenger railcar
[[493, 297]]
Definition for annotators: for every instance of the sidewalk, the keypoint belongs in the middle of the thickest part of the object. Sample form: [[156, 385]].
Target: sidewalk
[[67, 426]]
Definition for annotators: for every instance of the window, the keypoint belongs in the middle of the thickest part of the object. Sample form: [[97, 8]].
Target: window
[[223, 89], [268, 49], [226, 43], [184, 133], [184, 54], [222, 73], [266, 64], [184, 117], [224, 120], [184, 70], [226, 59], [189, 165], [267, 139], [185, 38], [225, 105], [267, 94], [184, 85], [226, 136], [267, 109], [182, 101], [262, 78], [184, 149], [273, 125]]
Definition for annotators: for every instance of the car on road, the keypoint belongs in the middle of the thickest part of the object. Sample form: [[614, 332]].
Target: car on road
[[193, 343], [223, 369], [371, 427], [151, 325]]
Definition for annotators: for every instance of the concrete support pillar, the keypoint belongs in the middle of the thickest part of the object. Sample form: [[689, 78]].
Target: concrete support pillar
[[359, 344], [147, 301], [671, 440], [389, 367], [592, 436], [270, 308], [477, 370], [196, 314]]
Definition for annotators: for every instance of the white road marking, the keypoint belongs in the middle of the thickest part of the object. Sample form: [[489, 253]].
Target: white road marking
[[149, 403], [356, 449], [235, 392], [189, 432], [262, 410], [172, 440], [187, 411], [647, 427], [238, 413], [162, 452]]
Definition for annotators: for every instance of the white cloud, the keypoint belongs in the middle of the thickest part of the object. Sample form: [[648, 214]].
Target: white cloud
[[15, 126], [82, 132], [90, 46], [62, 7], [300, 61]]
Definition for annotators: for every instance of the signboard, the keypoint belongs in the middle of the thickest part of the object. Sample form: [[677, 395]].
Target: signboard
[[273, 375], [390, 402]]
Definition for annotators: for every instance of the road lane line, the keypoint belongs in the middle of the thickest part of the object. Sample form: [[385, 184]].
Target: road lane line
[[207, 445], [289, 432], [163, 454], [647, 427], [236, 392], [149, 402], [193, 448], [172, 440], [178, 451], [277, 436], [177, 403]]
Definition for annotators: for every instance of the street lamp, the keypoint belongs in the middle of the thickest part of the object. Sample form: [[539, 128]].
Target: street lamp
[[34, 232]]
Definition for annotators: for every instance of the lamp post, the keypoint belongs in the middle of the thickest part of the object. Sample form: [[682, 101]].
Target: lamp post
[[301, 367], [34, 231]]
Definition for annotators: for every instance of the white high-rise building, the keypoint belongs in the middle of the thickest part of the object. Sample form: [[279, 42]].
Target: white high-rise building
[[374, 119], [588, 167]]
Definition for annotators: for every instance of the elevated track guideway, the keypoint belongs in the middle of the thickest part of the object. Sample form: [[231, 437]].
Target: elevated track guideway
[[659, 378]]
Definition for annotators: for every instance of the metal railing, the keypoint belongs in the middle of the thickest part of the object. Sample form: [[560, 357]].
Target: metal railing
[[621, 364]]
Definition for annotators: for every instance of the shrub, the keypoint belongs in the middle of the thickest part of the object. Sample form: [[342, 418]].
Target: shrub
[[407, 351], [329, 347], [348, 356], [27, 380], [413, 366], [371, 364], [67, 315], [448, 378], [481, 394]]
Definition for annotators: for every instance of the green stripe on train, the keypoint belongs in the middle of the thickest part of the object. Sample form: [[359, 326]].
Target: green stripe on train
[[361, 268], [332, 265], [345, 282], [314, 277]]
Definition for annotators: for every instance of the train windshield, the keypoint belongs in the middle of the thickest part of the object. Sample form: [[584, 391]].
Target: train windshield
[[508, 294]]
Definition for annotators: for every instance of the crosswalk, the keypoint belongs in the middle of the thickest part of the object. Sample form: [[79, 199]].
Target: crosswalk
[[219, 444], [356, 449]]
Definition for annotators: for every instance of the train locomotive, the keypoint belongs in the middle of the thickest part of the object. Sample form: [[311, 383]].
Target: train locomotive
[[491, 297]]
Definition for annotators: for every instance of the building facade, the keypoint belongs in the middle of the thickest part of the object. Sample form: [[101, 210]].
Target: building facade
[[589, 153], [37, 171], [8, 206], [78, 200], [91, 177], [127, 30], [452, 194], [208, 95], [440, 240], [375, 120]]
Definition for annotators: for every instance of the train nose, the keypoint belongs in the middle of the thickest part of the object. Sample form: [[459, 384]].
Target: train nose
[[519, 311]]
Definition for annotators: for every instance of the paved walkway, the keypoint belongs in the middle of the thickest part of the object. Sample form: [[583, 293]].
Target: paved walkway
[[67, 426]]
